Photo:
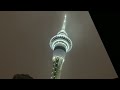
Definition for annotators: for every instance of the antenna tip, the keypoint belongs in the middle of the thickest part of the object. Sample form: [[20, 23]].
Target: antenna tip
[[65, 15]]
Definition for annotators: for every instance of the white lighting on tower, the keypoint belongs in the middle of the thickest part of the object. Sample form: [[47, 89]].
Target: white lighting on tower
[[60, 44]]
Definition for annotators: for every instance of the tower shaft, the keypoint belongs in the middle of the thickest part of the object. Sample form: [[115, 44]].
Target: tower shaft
[[57, 67]]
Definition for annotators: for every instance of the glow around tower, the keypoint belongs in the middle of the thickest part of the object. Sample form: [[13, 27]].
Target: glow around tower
[[60, 44]]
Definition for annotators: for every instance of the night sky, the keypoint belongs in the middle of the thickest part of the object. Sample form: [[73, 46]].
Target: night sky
[[24, 45]]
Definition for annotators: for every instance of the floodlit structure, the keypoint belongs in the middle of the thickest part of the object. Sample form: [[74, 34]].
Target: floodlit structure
[[60, 44]]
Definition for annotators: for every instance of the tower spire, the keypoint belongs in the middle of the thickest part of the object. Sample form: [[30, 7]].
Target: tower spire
[[62, 31], [64, 22]]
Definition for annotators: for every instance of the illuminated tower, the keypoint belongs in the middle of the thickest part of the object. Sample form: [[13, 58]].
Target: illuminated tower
[[60, 44]]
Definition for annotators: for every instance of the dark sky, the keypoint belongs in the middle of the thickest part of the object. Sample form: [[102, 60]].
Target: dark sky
[[24, 45]]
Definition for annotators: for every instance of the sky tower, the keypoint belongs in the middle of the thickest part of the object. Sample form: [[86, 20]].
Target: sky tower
[[60, 44]]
